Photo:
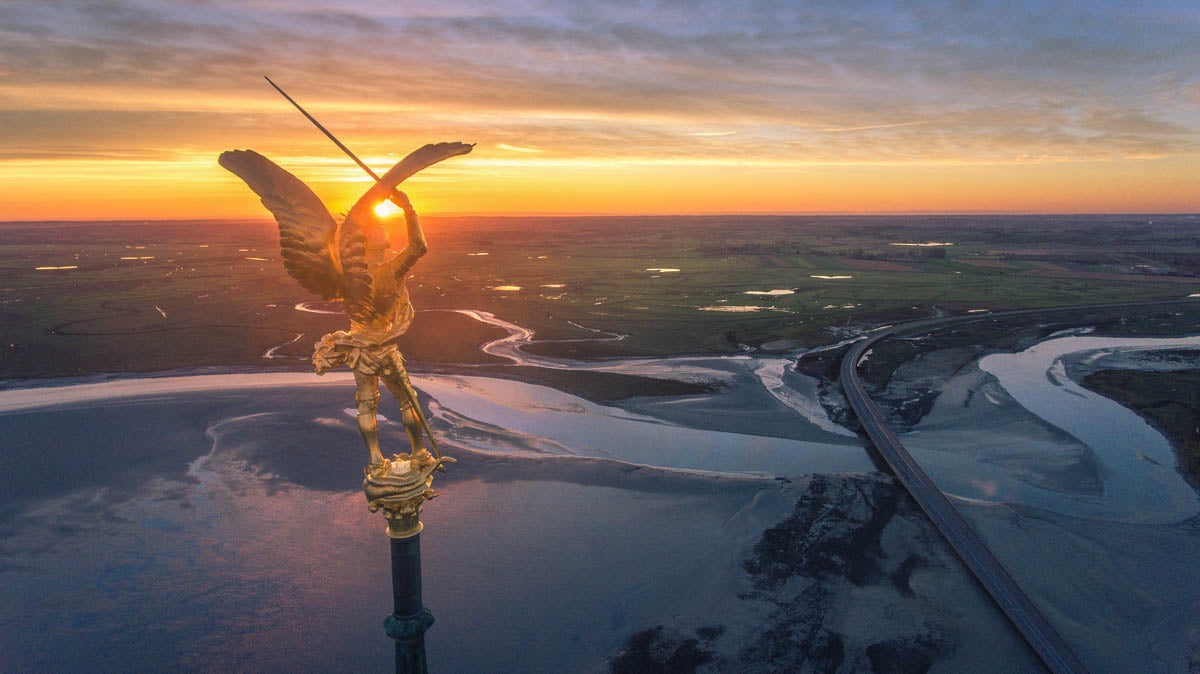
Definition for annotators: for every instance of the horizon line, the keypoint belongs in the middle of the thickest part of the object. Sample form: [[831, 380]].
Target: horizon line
[[567, 214]]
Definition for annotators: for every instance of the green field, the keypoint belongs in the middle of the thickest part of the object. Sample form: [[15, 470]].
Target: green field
[[222, 308]]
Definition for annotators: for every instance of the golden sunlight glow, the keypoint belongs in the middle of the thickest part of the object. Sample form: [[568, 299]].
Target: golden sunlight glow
[[191, 185], [386, 209]]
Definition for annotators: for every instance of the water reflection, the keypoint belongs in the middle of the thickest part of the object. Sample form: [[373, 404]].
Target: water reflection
[[234, 543], [737, 308], [1136, 462]]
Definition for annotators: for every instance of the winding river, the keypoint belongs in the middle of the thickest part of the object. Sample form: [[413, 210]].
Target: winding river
[[743, 436], [1076, 495], [1131, 463], [1137, 463]]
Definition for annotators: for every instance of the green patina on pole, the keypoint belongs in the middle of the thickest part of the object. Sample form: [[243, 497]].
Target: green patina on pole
[[409, 618]]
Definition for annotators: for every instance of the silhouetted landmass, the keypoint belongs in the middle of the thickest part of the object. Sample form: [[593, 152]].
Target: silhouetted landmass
[[815, 589], [1169, 401], [654, 651]]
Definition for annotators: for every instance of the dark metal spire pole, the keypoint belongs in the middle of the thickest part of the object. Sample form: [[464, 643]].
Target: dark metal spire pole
[[409, 618]]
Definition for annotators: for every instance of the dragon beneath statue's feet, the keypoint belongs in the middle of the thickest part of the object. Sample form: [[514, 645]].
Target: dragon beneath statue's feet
[[399, 486]]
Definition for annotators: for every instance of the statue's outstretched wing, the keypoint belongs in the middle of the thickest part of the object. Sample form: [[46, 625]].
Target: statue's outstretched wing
[[328, 259], [417, 160], [307, 232], [361, 218]]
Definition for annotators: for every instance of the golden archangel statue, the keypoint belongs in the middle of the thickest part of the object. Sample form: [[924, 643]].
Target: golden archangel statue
[[353, 261]]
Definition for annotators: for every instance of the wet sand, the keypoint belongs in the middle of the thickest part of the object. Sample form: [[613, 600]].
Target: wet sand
[[218, 523], [1070, 492]]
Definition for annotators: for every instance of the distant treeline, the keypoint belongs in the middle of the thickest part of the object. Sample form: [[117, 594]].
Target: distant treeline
[[1187, 264], [793, 248], [778, 247], [936, 253]]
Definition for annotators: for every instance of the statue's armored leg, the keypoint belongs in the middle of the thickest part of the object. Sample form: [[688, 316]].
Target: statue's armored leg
[[367, 397], [406, 396]]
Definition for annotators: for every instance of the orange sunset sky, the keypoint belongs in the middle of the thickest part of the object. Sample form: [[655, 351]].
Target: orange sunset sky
[[119, 109]]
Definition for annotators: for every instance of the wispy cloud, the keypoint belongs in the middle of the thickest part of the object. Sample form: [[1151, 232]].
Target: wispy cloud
[[514, 148], [699, 81], [869, 127]]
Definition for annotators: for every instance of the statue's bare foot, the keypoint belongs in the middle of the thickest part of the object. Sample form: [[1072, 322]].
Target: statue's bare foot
[[380, 467], [420, 455]]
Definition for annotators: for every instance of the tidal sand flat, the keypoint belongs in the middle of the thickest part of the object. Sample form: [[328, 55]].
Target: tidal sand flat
[[1077, 496], [225, 528], [217, 522], [230, 483], [538, 412]]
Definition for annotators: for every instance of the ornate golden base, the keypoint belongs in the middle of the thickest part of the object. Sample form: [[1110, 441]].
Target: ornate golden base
[[399, 487]]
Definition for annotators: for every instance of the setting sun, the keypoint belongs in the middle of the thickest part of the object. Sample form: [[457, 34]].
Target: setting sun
[[386, 209]]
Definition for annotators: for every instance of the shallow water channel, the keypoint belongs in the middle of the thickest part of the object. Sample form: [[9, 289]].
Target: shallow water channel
[[1077, 496]]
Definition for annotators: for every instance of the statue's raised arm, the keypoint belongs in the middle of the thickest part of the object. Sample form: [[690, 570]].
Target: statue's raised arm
[[362, 214]]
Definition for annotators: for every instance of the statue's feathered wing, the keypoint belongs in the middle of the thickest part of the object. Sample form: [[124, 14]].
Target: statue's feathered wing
[[308, 234], [327, 259]]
